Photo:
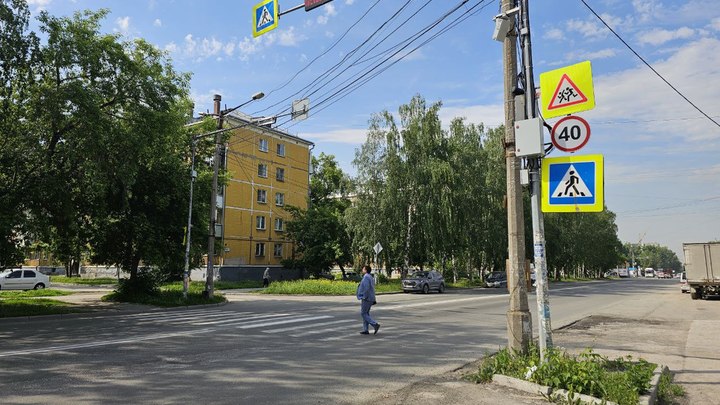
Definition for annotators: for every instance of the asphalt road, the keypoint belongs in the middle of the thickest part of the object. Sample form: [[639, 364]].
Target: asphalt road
[[270, 350]]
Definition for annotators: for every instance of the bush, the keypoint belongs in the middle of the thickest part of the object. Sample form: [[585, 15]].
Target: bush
[[146, 283], [621, 380]]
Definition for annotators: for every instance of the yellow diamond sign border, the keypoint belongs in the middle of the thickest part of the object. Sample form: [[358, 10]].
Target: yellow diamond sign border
[[599, 184], [576, 81], [270, 27]]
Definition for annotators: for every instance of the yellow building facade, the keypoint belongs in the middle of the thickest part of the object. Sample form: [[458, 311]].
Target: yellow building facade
[[268, 170]]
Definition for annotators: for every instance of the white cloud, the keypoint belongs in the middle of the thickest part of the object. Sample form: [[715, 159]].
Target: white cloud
[[715, 24], [171, 47], [554, 34], [329, 12], [660, 36], [40, 5], [349, 2], [637, 94], [289, 37], [229, 48], [123, 24], [490, 115], [647, 9], [157, 22], [582, 55], [588, 29], [350, 136]]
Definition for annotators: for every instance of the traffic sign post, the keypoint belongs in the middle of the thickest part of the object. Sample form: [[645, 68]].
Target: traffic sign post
[[567, 90], [573, 184], [265, 17], [570, 134]]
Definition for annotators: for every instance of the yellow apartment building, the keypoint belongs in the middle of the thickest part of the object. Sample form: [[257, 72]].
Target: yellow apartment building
[[268, 170]]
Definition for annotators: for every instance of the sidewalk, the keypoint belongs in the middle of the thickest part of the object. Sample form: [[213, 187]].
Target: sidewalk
[[671, 329]]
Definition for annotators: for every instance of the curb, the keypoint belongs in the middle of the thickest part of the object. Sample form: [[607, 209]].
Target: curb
[[548, 392], [104, 311], [651, 397]]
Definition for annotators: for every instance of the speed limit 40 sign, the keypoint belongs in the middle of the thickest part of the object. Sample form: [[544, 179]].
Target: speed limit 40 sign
[[570, 133]]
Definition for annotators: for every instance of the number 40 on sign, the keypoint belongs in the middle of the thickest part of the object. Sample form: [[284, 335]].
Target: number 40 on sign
[[570, 133]]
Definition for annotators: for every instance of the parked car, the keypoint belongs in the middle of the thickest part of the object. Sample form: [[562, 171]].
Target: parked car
[[684, 286], [424, 281], [24, 280], [352, 276], [496, 279]]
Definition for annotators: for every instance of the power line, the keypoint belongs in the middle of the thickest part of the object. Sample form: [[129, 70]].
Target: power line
[[648, 65], [356, 83], [328, 50]]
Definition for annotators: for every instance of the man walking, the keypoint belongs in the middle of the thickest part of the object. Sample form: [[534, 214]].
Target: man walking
[[366, 295], [266, 277]]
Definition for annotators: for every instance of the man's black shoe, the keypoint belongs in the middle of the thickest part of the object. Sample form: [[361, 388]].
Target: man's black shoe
[[364, 333], [377, 327]]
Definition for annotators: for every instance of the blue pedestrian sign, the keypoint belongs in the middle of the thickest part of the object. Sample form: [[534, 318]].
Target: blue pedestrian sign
[[265, 17], [573, 184]]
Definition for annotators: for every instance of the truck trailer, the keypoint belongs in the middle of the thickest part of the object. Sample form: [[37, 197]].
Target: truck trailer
[[702, 267]]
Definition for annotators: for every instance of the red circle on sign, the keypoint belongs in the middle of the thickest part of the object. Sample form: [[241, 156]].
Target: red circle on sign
[[584, 136]]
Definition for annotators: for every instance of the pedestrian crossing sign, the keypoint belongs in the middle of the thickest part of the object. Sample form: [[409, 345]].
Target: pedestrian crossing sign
[[573, 184], [265, 17]]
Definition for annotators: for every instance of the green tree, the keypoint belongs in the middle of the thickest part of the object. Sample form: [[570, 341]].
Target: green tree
[[18, 152], [320, 233], [101, 128]]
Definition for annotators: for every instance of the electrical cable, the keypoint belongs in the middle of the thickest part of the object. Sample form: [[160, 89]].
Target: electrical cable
[[648, 64], [328, 50], [361, 80]]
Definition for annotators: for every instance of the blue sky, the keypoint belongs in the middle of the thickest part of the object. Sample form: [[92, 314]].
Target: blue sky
[[662, 167]]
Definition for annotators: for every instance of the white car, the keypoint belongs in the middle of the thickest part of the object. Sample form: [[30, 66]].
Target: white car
[[24, 280]]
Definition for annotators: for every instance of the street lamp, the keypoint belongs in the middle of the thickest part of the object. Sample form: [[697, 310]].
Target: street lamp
[[213, 198]]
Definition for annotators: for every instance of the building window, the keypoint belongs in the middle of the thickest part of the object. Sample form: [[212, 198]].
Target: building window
[[279, 224], [262, 170], [280, 174], [259, 249], [279, 199], [278, 250], [263, 145], [262, 196], [260, 222], [281, 149]]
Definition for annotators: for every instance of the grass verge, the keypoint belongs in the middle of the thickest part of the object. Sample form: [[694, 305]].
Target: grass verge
[[466, 283], [622, 380], [83, 281], [13, 307], [218, 285], [167, 295], [325, 287], [669, 393], [32, 293]]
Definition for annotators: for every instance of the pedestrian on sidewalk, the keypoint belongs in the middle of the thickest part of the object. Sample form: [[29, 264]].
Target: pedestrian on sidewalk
[[366, 294], [266, 277]]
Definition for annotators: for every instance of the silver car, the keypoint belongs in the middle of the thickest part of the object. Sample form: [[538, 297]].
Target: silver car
[[24, 280], [424, 281]]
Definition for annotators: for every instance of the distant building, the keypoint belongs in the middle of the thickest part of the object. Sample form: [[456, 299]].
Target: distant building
[[269, 170]]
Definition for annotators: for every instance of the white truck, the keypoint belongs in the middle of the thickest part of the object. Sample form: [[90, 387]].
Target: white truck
[[702, 267]]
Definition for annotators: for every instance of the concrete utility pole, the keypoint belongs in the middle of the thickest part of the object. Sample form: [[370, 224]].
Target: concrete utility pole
[[210, 279], [188, 233], [543, 301], [518, 315]]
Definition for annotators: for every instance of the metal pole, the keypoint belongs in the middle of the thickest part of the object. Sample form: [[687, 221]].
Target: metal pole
[[543, 299], [186, 273], [210, 279], [518, 315]]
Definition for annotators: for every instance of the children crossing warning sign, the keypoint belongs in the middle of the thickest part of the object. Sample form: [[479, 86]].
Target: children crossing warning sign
[[567, 90], [566, 94], [573, 184]]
